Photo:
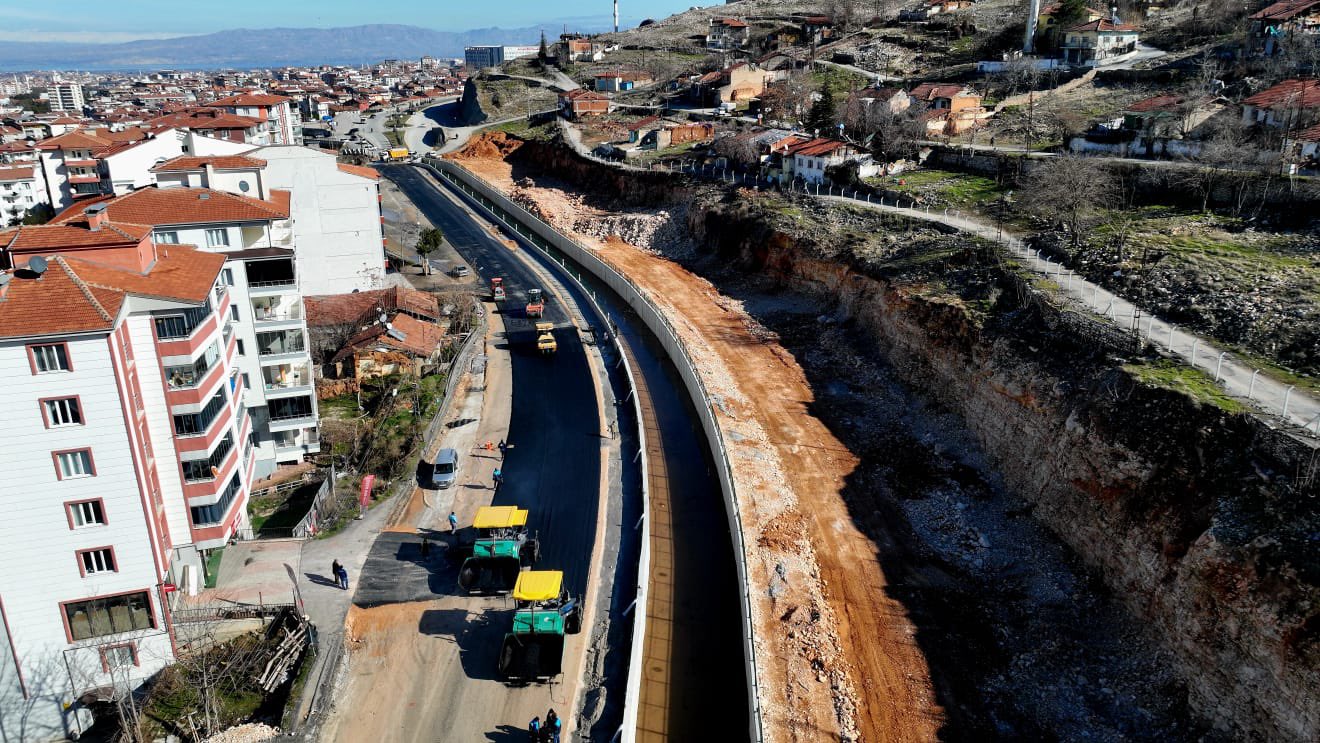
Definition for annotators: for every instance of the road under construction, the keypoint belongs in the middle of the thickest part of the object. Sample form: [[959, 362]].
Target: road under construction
[[693, 675]]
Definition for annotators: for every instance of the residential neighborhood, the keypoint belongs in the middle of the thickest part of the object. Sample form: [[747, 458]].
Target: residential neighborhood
[[771, 370]]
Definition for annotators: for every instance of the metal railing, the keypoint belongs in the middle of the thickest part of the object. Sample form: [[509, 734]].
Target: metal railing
[[655, 319]]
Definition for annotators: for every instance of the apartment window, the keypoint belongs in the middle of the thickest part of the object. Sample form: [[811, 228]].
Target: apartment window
[[108, 615], [86, 513], [239, 342], [233, 311], [62, 411], [115, 657], [192, 424], [181, 325], [215, 513], [99, 560], [217, 238], [168, 238], [71, 465], [199, 470], [228, 274], [247, 383], [50, 358]]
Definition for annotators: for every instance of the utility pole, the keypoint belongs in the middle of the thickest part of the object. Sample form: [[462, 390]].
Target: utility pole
[[616, 16]]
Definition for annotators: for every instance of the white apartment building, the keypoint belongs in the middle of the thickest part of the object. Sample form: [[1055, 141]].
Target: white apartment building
[[337, 222], [278, 116], [66, 97], [261, 276], [124, 431], [20, 190], [87, 163]]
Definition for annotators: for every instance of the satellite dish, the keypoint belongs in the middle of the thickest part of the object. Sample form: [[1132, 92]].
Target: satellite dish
[[37, 265]]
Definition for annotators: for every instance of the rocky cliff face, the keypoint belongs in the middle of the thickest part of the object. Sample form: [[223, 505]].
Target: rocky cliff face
[[1204, 524]]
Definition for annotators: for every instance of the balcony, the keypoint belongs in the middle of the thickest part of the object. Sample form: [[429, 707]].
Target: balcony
[[78, 178], [282, 379], [205, 470], [189, 376], [288, 413], [182, 324], [276, 309], [293, 444], [279, 344], [275, 275]]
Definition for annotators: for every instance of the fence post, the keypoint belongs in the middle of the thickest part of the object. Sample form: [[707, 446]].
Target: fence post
[[1251, 388], [1170, 343], [1287, 394], [1219, 364], [1195, 344]]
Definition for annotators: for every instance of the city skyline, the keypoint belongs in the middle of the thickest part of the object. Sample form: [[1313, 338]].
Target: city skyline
[[157, 19]]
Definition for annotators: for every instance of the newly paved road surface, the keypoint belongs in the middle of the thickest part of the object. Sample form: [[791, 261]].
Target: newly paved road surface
[[553, 466]]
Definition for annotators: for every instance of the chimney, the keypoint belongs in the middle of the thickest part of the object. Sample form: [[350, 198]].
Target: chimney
[[95, 217]]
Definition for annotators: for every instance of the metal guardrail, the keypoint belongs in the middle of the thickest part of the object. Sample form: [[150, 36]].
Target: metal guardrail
[[654, 318], [464, 356]]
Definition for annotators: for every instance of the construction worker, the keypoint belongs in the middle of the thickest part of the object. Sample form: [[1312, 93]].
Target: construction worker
[[453, 522], [534, 730], [497, 477]]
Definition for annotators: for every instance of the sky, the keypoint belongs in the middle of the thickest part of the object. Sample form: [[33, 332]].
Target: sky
[[126, 20]]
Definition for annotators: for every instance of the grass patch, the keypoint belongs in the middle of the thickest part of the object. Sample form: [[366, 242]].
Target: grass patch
[[839, 82], [213, 566], [943, 187], [1198, 385], [344, 406]]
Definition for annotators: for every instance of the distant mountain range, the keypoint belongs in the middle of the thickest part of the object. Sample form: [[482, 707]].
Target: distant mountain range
[[245, 48]]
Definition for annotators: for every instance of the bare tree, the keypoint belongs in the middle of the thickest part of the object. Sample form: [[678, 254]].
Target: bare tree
[[1071, 190], [789, 100]]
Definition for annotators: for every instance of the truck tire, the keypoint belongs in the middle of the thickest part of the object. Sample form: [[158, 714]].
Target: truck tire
[[573, 622]]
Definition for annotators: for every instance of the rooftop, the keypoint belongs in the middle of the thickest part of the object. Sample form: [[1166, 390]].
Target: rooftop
[[219, 162], [78, 296], [167, 206], [1297, 92]]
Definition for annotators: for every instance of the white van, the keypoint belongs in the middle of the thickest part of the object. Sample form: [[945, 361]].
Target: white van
[[445, 472]]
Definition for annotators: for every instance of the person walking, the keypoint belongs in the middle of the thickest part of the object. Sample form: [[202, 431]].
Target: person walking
[[552, 725], [334, 571], [343, 577], [534, 730], [497, 477], [453, 522], [504, 449]]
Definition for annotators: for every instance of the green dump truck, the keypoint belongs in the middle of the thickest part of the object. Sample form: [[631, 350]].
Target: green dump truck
[[500, 551], [534, 647]]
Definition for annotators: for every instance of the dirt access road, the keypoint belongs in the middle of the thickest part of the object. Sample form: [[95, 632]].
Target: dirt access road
[[836, 656]]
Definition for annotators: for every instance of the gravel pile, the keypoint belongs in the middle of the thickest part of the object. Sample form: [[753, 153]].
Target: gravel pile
[[252, 732]]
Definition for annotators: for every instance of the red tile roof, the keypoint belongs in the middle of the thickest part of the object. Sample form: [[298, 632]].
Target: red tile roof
[[250, 99], [419, 338], [359, 170], [96, 140], [1310, 134], [16, 172], [1284, 11], [78, 296], [1164, 102], [166, 206], [72, 234], [205, 119], [219, 162], [931, 91], [818, 147], [339, 309], [731, 22], [1103, 25], [1300, 93]]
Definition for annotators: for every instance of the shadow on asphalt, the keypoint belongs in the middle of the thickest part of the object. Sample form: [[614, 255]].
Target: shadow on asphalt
[[320, 580], [478, 637], [507, 734]]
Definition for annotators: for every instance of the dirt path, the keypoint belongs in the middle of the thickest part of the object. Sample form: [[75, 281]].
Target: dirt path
[[836, 657]]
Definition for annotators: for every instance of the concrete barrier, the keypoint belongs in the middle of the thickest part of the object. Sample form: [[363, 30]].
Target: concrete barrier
[[654, 319]]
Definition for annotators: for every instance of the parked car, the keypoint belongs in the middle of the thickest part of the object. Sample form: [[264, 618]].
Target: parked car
[[445, 472], [459, 272]]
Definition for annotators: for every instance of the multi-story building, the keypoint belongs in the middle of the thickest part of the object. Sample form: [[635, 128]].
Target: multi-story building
[[275, 112], [124, 428], [481, 57], [85, 163], [66, 97], [20, 191], [257, 239]]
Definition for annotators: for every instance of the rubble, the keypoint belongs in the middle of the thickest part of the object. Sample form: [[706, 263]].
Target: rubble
[[252, 732]]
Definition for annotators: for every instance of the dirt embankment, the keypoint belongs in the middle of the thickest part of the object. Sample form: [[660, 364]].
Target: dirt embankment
[[1203, 524]]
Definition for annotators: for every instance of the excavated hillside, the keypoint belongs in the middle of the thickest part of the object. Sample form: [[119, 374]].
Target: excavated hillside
[[1077, 555]]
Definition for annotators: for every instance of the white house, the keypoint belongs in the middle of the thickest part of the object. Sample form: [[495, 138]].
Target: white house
[[20, 190]]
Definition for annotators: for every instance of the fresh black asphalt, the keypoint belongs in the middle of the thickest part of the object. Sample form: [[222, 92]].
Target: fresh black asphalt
[[553, 463]]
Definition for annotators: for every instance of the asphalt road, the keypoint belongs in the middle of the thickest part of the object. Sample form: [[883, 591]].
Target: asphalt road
[[553, 466]]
